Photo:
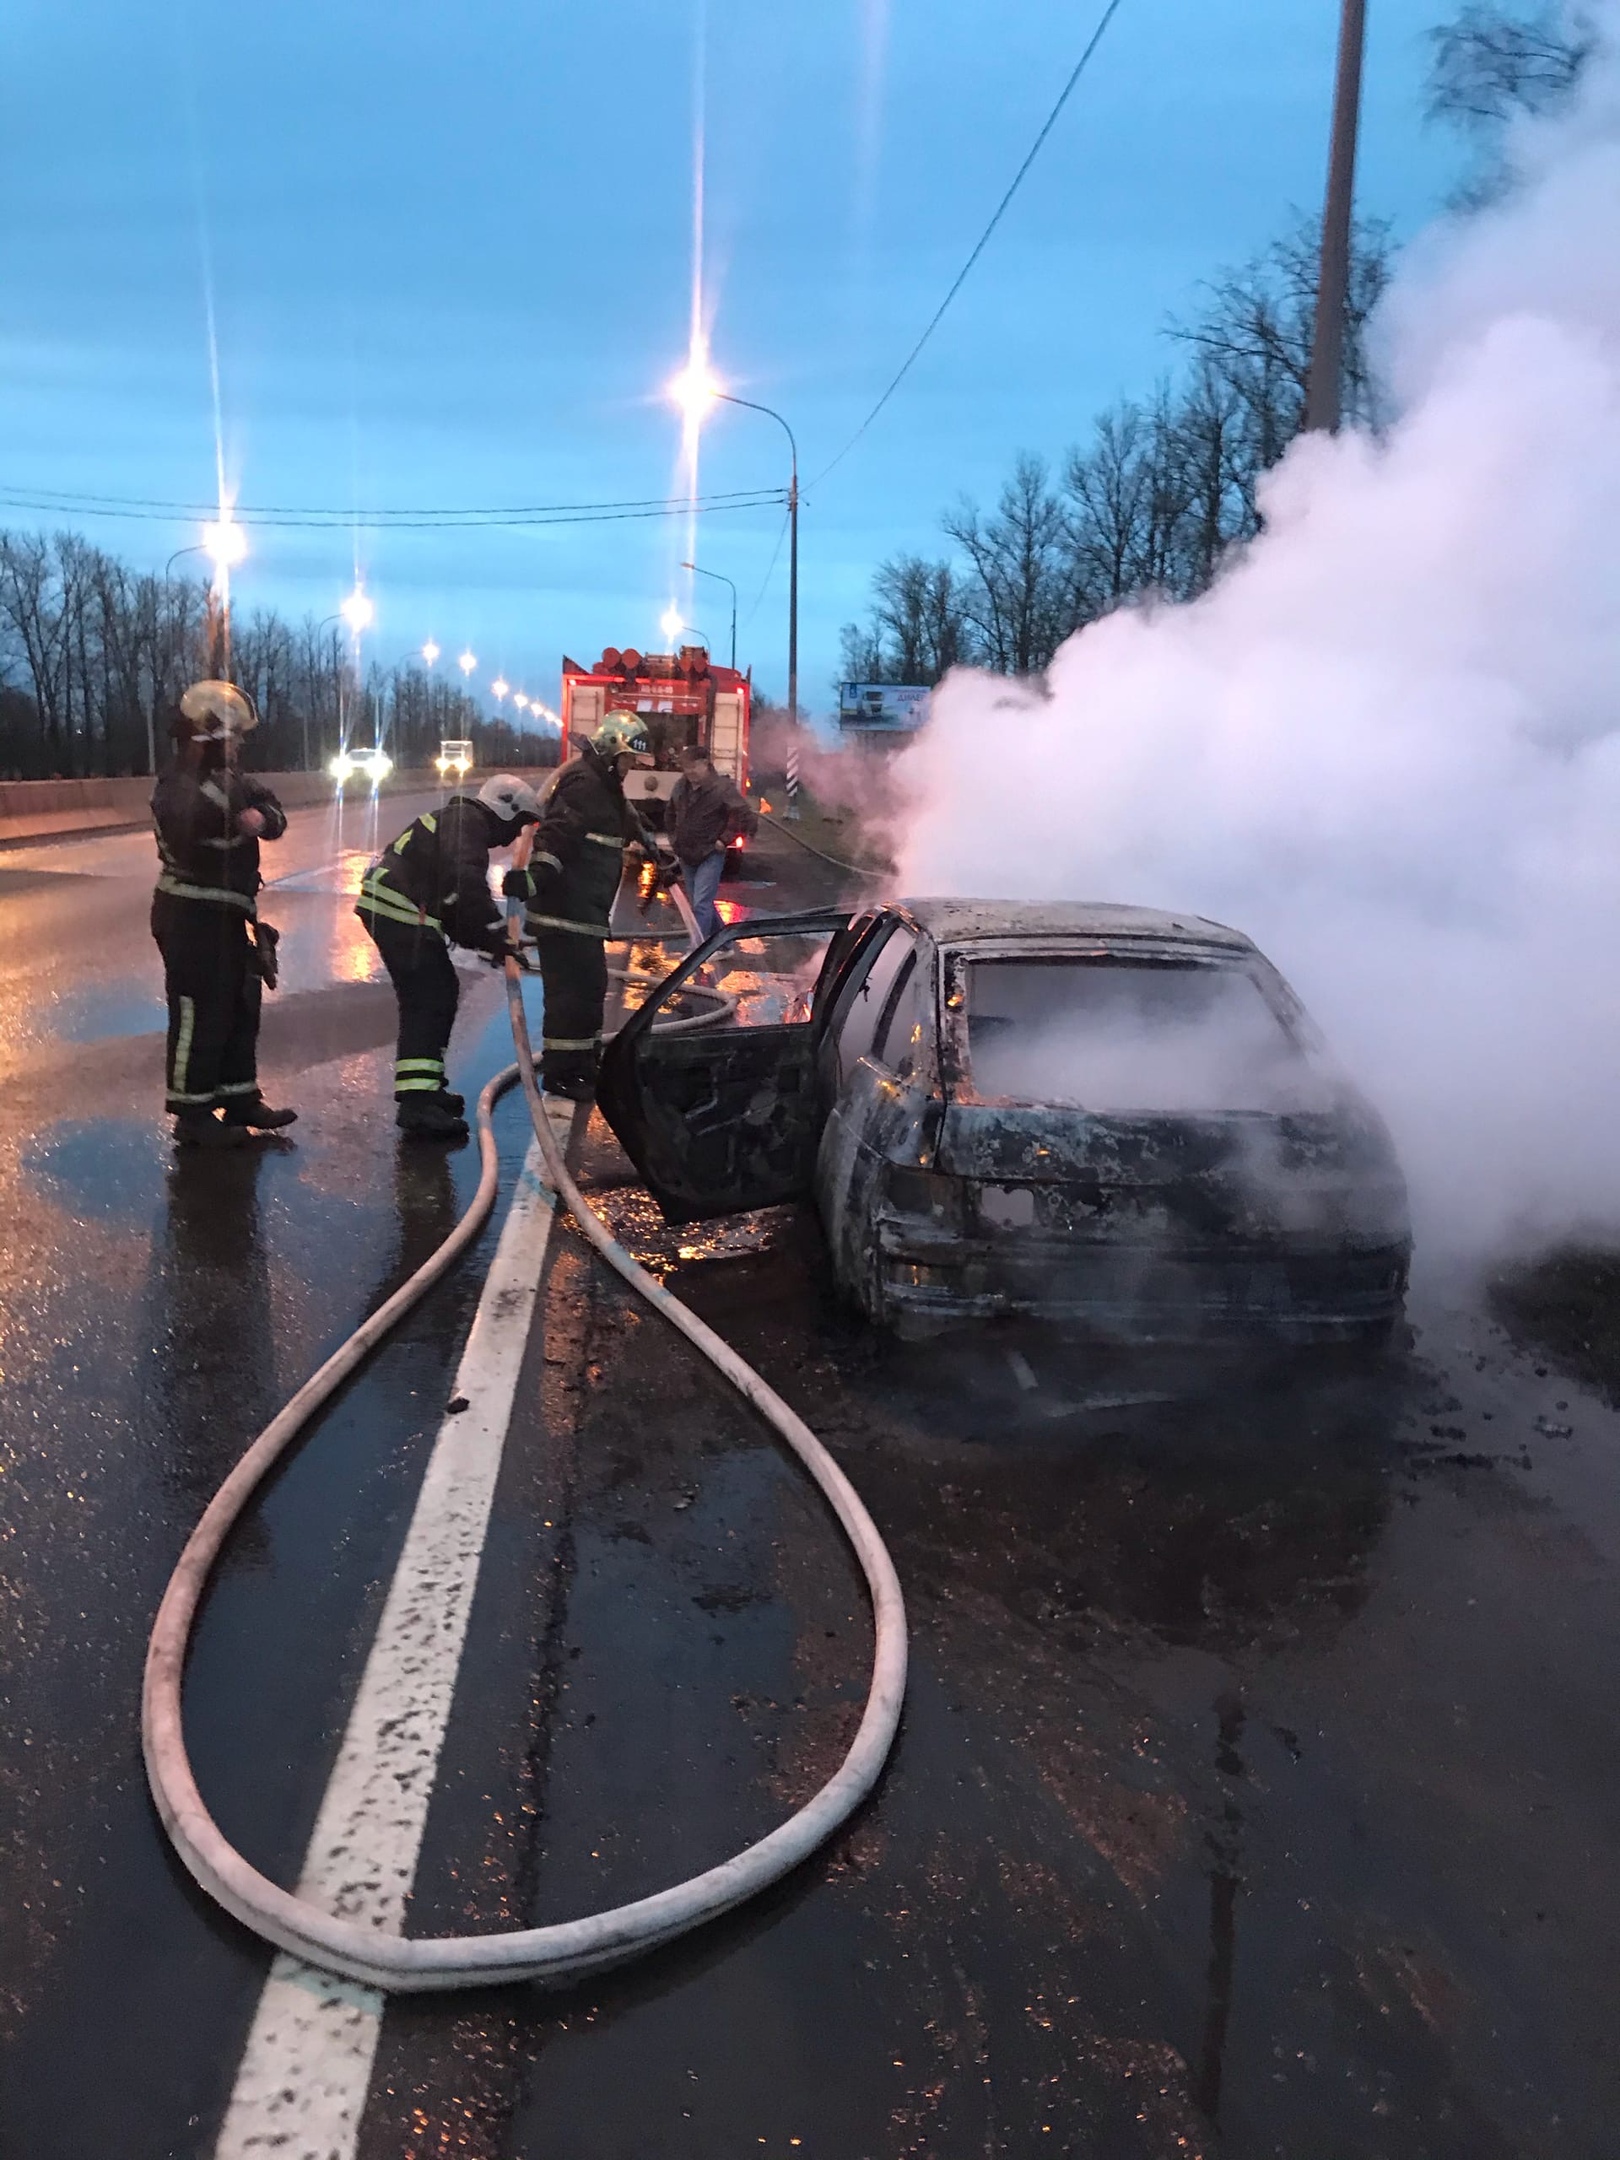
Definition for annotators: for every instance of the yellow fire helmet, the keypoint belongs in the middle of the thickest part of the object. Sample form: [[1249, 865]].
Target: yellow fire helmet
[[217, 711], [622, 734]]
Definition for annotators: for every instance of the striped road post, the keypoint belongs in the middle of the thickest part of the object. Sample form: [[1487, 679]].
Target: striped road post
[[792, 776]]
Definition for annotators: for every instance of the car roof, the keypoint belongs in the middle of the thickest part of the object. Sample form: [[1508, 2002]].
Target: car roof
[[966, 922]]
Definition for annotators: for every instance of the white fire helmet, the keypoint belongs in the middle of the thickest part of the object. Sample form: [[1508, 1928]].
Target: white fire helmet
[[218, 711], [511, 799]]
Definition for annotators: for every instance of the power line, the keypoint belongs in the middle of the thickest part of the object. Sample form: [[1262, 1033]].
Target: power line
[[76, 496], [538, 515], [776, 556], [1080, 66]]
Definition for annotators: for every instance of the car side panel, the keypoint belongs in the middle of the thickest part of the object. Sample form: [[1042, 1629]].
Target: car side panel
[[877, 1120]]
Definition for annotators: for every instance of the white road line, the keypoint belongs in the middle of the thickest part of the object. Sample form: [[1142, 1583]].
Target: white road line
[[301, 2086]]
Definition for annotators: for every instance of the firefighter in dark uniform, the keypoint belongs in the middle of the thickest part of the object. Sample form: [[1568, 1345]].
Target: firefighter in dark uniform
[[427, 891], [217, 955], [568, 889]]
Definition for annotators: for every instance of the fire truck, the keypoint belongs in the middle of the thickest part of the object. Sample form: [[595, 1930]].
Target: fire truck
[[683, 697]]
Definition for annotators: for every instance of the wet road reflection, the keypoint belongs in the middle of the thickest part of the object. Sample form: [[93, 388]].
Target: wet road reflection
[[1254, 1794]]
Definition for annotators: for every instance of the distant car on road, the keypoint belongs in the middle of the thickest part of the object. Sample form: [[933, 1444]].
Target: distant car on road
[[1107, 1118]]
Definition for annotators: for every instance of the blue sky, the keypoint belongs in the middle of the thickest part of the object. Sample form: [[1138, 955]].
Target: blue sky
[[451, 253]]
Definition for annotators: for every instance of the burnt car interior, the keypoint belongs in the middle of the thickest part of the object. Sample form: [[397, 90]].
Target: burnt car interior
[[714, 1133]]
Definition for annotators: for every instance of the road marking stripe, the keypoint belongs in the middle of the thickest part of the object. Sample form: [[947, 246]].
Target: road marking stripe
[[301, 2086]]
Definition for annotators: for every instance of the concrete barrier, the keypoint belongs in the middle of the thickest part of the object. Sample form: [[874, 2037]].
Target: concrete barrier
[[65, 809]]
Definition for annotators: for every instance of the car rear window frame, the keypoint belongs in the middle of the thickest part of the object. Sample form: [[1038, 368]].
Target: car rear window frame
[[955, 1063]]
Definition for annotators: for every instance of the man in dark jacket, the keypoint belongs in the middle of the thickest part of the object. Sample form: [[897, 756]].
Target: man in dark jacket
[[427, 891], [217, 955], [706, 813], [569, 886]]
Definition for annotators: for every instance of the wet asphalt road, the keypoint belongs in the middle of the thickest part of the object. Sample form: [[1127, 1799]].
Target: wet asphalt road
[[1255, 1794]]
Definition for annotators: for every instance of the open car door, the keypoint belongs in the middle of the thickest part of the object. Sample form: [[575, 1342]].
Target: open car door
[[723, 1115]]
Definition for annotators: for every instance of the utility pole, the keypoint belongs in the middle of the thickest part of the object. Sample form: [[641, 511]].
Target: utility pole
[[726, 398], [793, 593], [1324, 391]]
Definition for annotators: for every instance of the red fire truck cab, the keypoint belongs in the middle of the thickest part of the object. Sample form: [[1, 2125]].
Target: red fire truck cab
[[683, 697]]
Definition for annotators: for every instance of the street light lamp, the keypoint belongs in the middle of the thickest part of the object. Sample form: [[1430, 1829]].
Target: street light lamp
[[671, 625], [498, 688], [720, 579], [520, 702], [430, 652], [358, 610], [694, 390], [468, 661], [225, 542]]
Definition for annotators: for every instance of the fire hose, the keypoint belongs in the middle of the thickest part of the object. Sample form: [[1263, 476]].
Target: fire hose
[[564, 1950]]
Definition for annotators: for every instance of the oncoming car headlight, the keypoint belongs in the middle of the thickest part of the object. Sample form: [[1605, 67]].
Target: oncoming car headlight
[[342, 767], [377, 767]]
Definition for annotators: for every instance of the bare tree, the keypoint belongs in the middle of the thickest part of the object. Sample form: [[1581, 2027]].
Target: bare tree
[[1016, 588], [94, 655], [1490, 61], [1255, 334], [1157, 498], [919, 620], [861, 657]]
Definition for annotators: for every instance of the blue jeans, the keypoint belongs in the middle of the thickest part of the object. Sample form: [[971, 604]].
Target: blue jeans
[[702, 882]]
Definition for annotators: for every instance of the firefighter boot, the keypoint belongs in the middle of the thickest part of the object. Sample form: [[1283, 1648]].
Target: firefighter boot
[[255, 1113], [201, 1129], [425, 1117]]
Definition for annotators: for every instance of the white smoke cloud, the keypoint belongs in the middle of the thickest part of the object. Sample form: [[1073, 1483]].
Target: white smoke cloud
[[1387, 744]]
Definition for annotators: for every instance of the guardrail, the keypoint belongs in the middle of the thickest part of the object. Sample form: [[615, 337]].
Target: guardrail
[[63, 809]]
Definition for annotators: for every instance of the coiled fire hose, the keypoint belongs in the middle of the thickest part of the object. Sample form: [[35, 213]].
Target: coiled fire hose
[[568, 1949]]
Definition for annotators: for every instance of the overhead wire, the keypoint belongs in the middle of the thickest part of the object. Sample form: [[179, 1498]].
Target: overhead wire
[[152, 511], [1079, 68], [765, 585]]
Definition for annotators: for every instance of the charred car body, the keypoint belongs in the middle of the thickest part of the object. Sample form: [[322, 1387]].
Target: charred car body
[[1114, 1120]]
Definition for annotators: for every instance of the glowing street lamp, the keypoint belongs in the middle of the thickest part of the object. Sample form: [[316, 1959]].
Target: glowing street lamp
[[225, 544], [499, 687], [695, 389], [520, 701], [468, 661], [430, 652], [671, 624], [358, 610]]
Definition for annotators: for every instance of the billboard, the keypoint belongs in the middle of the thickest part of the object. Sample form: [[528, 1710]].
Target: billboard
[[883, 708]]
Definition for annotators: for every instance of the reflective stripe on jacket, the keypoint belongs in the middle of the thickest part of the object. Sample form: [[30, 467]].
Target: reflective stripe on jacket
[[203, 856], [436, 876], [579, 847]]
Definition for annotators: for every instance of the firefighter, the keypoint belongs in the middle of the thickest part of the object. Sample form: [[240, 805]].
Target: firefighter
[[217, 955], [427, 891], [568, 889]]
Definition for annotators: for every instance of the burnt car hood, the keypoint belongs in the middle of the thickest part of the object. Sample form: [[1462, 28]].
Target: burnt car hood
[[1324, 1171]]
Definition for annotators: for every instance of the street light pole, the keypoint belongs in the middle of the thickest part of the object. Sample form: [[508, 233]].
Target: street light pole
[[196, 548], [721, 579], [726, 398], [325, 624], [1324, 391]]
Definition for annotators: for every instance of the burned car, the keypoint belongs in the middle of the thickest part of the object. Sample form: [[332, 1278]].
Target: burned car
[[1110, 1119]]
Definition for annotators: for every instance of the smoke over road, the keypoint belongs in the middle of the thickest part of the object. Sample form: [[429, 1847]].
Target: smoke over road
[[1387, 743]]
